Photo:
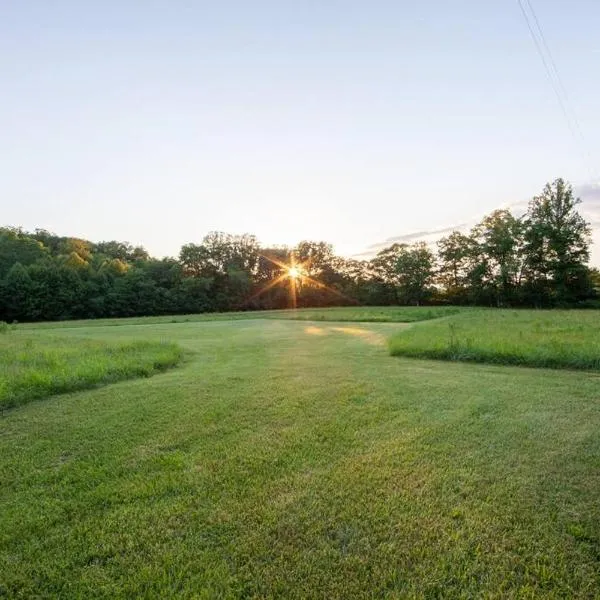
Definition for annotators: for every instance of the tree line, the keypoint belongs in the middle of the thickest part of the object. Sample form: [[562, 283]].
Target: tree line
[[539, 259]]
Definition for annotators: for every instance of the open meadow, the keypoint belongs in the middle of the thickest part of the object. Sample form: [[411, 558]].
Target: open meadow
[[291, 455]]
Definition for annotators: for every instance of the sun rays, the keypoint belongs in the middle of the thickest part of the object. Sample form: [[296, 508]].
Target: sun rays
[[295, 274]]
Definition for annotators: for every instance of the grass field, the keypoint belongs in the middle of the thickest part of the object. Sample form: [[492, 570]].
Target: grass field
[[554, 339], [35, 367], [298, 459], [383, 314]]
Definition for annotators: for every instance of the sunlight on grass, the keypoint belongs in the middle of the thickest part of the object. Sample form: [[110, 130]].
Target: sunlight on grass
[[369, 336], [311, 330]]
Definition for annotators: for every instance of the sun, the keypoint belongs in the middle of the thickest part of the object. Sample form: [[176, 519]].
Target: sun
[[296, 275]]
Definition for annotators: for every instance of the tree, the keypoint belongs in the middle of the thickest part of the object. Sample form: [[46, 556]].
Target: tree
[[500, 238], [455, 253], [385, 274], [75, 246], [556, 246], [16, 246], [595, 281], [415, 271], [223, 252], [57, 292], [540, 260], [75, 261], [114, 266], [121, 250], [15, 294], [316, 257], [194, 260], [269, 290]]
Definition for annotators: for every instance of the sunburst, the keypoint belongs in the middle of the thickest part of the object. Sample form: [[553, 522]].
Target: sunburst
[[296, 274]]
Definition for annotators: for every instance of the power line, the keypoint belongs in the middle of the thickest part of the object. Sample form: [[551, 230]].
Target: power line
[[556, 82], [562, 87]]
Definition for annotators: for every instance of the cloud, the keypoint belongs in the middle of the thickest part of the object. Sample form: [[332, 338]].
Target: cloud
[[406, 238], [590, 205], [589, 191], [589, 209]]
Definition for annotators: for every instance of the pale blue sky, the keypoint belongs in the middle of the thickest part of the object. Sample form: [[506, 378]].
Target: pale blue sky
[[349, 121]]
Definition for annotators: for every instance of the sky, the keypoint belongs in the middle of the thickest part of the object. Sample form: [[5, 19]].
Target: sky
[[340, 120]]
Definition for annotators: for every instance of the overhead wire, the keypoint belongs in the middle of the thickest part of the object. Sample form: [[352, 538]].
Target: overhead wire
[[555, 80]]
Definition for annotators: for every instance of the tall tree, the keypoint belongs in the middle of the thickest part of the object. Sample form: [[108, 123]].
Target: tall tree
[[455, 254], [317, 257], [16, 246], [595, 281], [194, 259], [385, 274], [16, 293], [500, 238], [556, 247], [415, 271]]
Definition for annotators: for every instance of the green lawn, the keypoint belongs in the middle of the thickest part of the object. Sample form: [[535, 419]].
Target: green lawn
[[554, 339], [384, 314], [290, 459]]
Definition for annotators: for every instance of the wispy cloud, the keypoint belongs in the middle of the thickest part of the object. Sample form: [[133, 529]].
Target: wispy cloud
[[590, 206], [407, 238], [589, 209]]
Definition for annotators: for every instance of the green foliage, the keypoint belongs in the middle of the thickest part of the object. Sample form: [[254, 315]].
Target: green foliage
[[499, 237], [316, 256], [539, 260], [33, 367], [415, 269], [557, 339], [291, 459], [456, 253], [16, 246], [556, 248]]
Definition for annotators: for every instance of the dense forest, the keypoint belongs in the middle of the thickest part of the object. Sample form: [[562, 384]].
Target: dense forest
[[538, 259]]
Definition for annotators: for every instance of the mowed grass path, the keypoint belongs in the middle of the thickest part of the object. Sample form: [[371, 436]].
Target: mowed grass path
[[299, 460], [381, 314]]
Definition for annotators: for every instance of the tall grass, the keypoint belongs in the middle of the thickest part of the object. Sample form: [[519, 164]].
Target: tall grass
[[33, 367], [557, 339]]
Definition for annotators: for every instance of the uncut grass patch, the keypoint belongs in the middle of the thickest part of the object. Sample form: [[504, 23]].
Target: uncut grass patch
[[559, 339], [35, 367]]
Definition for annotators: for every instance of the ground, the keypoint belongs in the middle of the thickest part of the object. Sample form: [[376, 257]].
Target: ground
[[298, 459]]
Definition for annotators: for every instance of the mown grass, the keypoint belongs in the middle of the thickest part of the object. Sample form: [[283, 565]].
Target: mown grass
[[295, 460], [34, 367], [367, 314], [549, 339]]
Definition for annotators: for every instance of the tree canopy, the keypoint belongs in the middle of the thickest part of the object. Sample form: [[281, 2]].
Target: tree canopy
[[538, 259]]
